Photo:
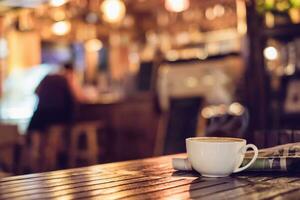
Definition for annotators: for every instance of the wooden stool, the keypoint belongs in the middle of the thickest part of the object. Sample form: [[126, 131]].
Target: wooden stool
[[90, 153], [53, 145], [41, 153], [30, 158]]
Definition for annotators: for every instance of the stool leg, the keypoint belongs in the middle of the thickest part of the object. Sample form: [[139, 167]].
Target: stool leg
[[92, 146], [73, 148], [50, 152], [34, 152]]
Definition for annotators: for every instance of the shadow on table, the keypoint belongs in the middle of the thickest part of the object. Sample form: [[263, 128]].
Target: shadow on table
[[244, 182], [240, 175], [238, 185], [183, 174], [197, 178]]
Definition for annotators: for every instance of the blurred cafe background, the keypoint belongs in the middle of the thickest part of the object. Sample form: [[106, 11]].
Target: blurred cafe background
[[95, 81]]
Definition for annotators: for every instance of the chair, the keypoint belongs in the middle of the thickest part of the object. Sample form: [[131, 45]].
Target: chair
[[180, 94], [288, 111], [226, 120], [84, 146], [178, 123], [182, 123]]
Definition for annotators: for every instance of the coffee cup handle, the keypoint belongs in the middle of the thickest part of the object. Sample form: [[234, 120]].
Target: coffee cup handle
[[252, 146]]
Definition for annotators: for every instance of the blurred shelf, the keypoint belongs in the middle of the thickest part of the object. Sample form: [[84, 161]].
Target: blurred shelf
[[282, 31]]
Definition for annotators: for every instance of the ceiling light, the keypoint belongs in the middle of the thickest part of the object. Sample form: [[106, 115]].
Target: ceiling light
[[61, 28], [270, 53], [177, 5], [57, 3], [113, 10]]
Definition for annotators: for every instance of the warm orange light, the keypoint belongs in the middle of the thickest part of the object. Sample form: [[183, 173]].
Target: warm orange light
[[93, 45], [58, 15], [177, 5], [113, 10]]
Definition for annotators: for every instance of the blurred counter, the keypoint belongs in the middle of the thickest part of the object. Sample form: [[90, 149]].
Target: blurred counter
[[131, 124]]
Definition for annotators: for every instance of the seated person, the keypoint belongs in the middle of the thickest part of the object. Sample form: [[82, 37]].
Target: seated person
[[58, 94]]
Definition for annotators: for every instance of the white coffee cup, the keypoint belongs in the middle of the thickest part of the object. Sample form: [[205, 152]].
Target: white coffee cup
[[218, 156]]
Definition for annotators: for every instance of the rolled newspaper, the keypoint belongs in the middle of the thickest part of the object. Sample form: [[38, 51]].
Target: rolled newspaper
[[181, 164]]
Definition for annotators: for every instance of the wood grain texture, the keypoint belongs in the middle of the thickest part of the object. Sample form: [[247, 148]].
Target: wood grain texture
[[151, 178]]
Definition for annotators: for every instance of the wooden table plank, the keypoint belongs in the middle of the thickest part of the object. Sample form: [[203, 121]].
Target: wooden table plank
[[274, 188], [90, 177], [147, 179], [84, 192], [111, 167], [83, 171], [236, 192], [87, 185], [145, 168], [291, 195], [199, 192], [169, 192]]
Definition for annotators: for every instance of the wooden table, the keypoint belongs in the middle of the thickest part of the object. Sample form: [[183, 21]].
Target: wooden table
[[147, 179]]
